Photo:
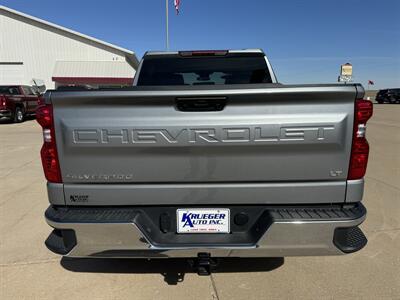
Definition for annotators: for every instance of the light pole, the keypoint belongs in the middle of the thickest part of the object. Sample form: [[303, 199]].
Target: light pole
[[166, 20]]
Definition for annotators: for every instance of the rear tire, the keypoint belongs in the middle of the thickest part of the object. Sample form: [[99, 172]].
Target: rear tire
[[19, 115]]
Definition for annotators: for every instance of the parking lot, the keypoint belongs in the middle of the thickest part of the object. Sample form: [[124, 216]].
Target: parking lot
[[29, 270]]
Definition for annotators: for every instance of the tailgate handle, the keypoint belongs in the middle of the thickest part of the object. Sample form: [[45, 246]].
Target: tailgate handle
[[192, 104]]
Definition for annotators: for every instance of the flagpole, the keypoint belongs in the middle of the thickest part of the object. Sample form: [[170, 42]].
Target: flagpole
[[166, 18]]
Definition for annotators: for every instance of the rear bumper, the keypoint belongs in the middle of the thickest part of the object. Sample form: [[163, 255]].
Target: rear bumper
[[5, 114], [135, 232]]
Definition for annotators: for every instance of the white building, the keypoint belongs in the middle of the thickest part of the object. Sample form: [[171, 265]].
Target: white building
[[34, 50]]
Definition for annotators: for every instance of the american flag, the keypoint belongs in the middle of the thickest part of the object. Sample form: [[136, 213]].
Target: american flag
[[176, 4]]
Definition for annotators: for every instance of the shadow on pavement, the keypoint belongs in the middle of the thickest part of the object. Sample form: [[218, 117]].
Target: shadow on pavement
[[172, 269]]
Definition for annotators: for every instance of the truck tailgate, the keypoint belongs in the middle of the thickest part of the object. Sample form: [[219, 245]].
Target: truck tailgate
[[274, 134], [269, 144]]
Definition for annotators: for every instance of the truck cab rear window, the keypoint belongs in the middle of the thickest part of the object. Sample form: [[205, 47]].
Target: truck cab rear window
[[9, 90], [176, 70]]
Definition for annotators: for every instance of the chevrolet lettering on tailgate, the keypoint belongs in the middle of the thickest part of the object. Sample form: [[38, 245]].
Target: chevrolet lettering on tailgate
[[259, 134]]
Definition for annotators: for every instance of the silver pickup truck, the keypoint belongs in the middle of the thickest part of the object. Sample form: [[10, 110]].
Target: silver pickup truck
[[207, 155]]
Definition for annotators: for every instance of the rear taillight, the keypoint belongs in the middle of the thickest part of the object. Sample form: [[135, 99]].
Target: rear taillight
[[48, 153], [3, 103], [360, 147]]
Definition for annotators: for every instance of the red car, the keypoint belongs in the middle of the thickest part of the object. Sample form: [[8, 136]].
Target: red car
[[17, 102]]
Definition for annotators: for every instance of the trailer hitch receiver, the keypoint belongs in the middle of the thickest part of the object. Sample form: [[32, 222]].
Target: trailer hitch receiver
[[204, 264]]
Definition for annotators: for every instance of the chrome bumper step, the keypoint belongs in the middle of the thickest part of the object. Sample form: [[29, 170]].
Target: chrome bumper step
[[271, 231]]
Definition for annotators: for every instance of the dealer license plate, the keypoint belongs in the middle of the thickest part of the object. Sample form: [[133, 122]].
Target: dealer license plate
[[203, 220]]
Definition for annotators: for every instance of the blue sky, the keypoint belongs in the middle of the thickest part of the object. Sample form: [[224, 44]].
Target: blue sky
[[306, 41]]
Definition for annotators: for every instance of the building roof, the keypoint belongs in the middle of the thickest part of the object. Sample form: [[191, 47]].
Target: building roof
[[130, 55]]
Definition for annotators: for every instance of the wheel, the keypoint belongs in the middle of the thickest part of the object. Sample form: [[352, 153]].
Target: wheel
[[18, 115]]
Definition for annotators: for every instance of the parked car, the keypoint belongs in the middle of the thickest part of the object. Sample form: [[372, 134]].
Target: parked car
[[206, 156], [17, 102], [388, 96]]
